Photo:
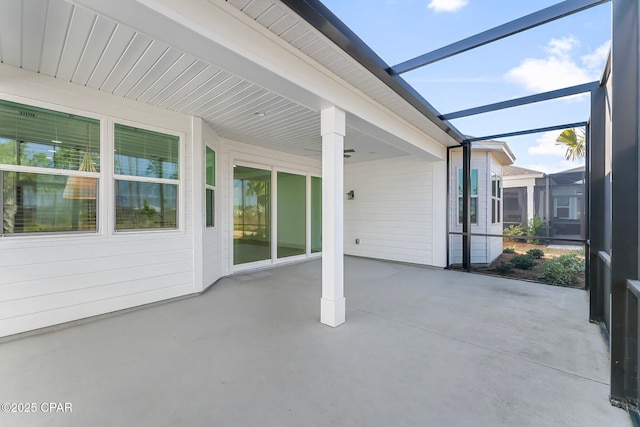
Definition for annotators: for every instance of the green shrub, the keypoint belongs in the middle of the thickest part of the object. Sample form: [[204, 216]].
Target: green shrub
[[513, 230], [523, 262], [536, 253], [572, 261], [504, 267], [563, 270], [536, 227], [509, 250]]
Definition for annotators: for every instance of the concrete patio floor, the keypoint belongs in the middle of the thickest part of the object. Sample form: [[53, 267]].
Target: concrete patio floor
[[421, 347]]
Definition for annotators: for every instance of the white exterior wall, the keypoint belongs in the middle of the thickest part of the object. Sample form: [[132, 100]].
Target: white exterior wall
[[494, 244], [399, 210], [212, 265], [529, 183], [483, 249], [50, 279]]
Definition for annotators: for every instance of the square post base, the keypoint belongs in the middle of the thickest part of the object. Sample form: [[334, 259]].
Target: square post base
[[333, 313]]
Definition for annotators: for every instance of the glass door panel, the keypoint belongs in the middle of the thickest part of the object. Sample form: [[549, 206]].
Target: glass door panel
[[251, 215], [292, 214], [316, 214]]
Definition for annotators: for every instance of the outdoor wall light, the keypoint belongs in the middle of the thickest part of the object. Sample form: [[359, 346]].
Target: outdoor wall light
[[351, 195]]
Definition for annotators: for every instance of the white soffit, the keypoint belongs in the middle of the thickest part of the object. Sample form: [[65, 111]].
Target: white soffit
[[59, 39], [290, 27]]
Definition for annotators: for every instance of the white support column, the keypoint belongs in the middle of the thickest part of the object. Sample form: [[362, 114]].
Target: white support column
[[531, 207], [332, 305]]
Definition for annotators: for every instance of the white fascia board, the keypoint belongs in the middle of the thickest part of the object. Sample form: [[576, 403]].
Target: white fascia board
[[219, 34]]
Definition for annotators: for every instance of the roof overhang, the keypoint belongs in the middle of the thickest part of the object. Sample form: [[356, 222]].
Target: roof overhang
[[499, 149]]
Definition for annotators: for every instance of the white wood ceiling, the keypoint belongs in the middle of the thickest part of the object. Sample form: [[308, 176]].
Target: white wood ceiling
[[58, 39], [287, 25]]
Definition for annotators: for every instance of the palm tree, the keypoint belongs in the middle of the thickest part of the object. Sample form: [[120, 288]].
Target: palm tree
[[260, 190], [574, 142]]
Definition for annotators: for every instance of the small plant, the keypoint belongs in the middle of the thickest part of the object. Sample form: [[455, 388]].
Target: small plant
[[504, 267], [536, 253], [509, 250], [523, 262], [536, 227], [563, 270], [148, 212], [513, 230]]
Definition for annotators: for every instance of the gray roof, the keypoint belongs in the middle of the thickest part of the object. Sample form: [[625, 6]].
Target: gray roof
[[516, 170]]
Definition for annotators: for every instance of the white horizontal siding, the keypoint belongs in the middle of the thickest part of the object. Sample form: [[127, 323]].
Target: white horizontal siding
[[212, 237], [483, 249], [494, 244], [393, 211], [49, 279], [64, 314]]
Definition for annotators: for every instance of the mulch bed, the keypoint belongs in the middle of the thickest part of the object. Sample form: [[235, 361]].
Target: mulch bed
[[535, 274]]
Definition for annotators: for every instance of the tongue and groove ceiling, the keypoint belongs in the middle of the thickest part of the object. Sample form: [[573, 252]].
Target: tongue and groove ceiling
[[65, 41]]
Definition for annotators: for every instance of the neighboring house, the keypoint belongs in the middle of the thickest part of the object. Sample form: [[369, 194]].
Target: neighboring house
[[563, 209], [567, 203], [488, 158], [519, 190], [148, 149]]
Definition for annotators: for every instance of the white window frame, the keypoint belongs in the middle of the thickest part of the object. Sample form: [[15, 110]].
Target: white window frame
[[180, 182], [473, 196], [59, 172], [207, 186], [496, 200], [567, 206]]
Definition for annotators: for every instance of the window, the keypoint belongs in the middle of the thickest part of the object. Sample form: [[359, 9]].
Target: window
[[474, 196], [49, 169], [146, 167], [210, 187], [562, 207], [496, 197]]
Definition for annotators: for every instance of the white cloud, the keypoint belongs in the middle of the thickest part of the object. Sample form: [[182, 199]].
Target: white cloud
[[596, 59], [559, 166], [547, 145], [559, 69], [562, 47], [447, 5]]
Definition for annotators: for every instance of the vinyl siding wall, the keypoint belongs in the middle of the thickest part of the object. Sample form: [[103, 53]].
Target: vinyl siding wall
[[399, 210], [399, 214], [483, 249], [50, 279], [212, 259], [46, 280]]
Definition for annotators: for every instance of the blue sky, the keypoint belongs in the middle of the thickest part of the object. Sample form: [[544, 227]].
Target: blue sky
[[563, 53]]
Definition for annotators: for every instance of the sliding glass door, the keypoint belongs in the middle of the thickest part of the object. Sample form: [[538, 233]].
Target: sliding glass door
[[294, 229]]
